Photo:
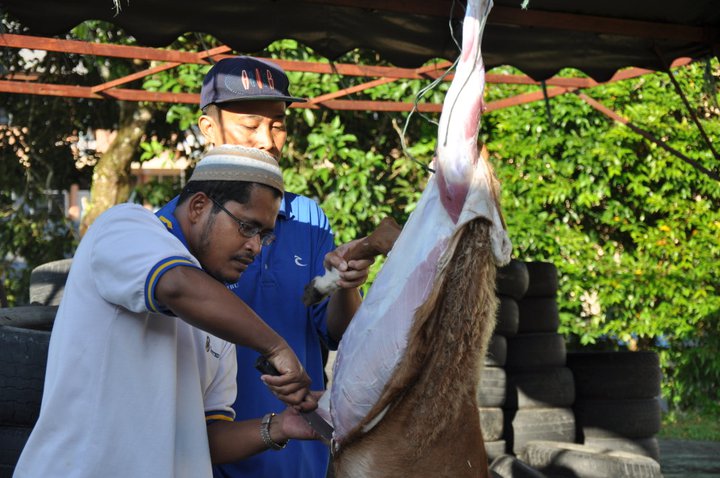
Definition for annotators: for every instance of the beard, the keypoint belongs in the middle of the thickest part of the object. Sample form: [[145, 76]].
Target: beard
[[204, 249]]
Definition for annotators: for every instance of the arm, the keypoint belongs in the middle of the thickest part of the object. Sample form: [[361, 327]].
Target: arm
[[345, 301], [352, 261], [233, 441], [206, 304]]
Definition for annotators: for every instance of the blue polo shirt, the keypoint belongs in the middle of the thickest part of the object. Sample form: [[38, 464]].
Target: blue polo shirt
[[273, 287]]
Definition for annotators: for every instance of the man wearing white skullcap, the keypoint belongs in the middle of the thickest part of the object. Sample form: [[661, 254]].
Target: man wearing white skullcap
[[141, 367]]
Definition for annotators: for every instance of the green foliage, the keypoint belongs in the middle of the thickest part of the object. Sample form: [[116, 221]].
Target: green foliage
[[690, 425], [157, 192], [633, 230]]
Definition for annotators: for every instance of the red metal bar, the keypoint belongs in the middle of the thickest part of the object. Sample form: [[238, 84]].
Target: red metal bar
[[135, 76], [352, 89], [98, 49], [368, 85], [194, 98], [151, 71], [647, 135], [525, 98], [362, 105]]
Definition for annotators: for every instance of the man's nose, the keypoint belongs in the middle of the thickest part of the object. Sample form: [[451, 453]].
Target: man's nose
[[254, 244], [264, 139]]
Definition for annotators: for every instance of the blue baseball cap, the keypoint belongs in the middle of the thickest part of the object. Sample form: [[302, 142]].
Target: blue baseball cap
[[245, 78]]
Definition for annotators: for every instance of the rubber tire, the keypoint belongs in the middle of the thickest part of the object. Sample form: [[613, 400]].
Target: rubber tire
[[496, 355], [574, 460], [640, 446], [12, 442], [628, 418], [512, 279], [508, 317], [553, 424], [23, 354], [538, 314], [47, 282], [533, 351], [550, 387], [542, 279], [495, 448], [491, 423], [38, 317], [615, 375], [492, 388], [508, 466]]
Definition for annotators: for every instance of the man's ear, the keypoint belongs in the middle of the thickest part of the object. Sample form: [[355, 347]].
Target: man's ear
[[208, 128], [197, 204]]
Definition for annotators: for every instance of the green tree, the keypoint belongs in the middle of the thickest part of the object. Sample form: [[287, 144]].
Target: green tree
[[633, 230]]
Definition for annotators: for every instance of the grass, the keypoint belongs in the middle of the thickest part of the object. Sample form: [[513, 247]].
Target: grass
[[690, 425]]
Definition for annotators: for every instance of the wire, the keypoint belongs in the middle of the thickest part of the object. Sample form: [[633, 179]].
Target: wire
[[439, 80]]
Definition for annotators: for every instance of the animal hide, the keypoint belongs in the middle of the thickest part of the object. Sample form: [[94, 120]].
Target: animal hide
[[402, 399]]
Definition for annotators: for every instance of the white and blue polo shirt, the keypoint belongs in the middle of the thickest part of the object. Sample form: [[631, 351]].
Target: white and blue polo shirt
[[126, 384]]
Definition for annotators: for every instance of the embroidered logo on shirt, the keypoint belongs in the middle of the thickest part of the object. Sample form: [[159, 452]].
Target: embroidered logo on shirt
[[298, 261], [208, 347]]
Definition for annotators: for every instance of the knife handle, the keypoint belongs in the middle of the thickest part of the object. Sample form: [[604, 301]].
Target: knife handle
[[264, 366]]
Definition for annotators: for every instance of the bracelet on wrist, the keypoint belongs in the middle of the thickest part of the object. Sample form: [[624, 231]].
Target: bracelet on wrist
[[265, 433]]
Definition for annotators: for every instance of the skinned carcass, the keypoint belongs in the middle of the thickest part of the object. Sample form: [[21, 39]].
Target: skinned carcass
[[403, 396]]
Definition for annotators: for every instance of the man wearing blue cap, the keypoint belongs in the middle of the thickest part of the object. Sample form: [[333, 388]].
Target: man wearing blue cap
[[243, 100]]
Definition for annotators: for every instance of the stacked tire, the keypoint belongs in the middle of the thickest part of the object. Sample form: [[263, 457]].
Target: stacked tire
[[23, 353], [511, 284], [617, 406], [24, 341], [47, 282], [583, 461], [540, 388]]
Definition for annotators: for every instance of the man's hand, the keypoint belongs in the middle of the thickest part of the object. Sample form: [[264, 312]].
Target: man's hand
[[293, 426], [292, 385], [354, 272]]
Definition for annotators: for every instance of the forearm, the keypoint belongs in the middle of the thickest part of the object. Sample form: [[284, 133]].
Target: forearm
[[233, 441], [341, 308], [207, 304]]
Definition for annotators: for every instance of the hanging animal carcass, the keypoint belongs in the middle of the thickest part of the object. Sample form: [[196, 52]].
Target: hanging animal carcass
[[403, 396]]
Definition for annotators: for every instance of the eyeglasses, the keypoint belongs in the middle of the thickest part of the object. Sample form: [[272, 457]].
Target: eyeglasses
[[247, 229]]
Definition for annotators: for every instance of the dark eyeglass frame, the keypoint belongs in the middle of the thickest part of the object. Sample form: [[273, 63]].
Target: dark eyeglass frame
[[246, 229]]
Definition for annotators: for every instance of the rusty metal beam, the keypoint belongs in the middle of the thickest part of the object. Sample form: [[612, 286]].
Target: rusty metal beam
[[156, 54], [144, 53], [151, 71], [86, 92], [364, 86], [194, 98], [135, 76], [525, 98], [97, 49], [647, 135], [352, 89], [381, 106]]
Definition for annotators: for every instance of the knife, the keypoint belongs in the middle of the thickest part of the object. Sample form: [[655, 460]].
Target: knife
[[316, 422]]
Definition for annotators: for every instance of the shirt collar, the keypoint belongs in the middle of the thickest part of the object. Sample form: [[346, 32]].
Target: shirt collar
[[286, 206], [166, 214]]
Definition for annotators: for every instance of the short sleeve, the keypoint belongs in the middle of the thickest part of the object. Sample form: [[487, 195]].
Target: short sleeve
[[131, 251], [222, 391]]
